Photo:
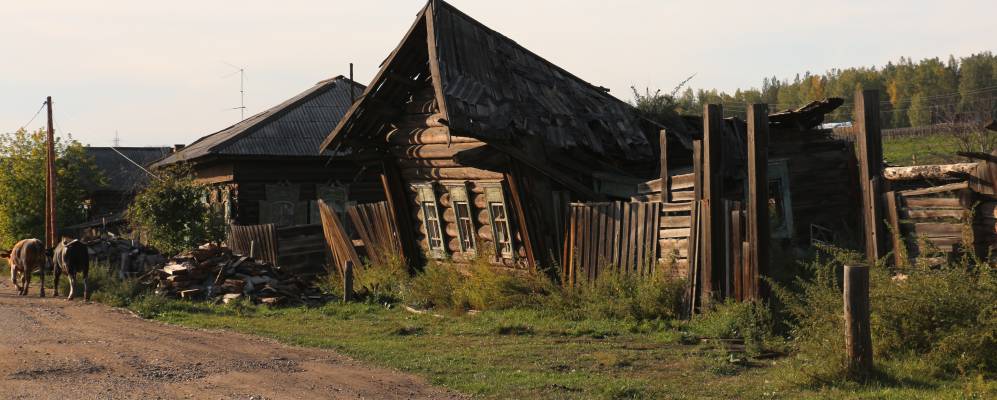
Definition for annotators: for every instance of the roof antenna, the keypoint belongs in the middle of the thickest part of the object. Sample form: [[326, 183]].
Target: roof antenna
[[353, 97], [242, 89], [117, 139]]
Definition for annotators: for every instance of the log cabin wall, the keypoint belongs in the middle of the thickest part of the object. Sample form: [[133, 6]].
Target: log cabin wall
[[822, 182], [459, 211]]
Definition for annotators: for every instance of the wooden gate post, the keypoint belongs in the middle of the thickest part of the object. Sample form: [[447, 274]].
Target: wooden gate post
[[666, 178], [869, 144], [758, 199], [858, 336], [714, 252]]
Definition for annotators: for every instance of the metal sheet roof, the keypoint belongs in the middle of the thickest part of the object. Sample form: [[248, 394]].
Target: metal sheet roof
[[292, 128]]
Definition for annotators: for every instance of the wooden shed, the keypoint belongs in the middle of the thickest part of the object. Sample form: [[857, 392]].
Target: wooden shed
[[483, 143], [265, 169]]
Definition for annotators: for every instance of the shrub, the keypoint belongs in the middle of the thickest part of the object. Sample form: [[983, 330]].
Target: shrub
[[382, 283], [488, 288], [436, 286], [751, 321], [172, 212], [944, 314], [618, 296]]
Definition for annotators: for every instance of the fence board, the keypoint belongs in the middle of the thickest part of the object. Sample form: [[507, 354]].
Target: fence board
[[261, 239]]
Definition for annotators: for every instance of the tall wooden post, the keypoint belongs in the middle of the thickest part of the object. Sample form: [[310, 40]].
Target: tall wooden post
[[695, 232], [348, 281], [666, 184], [758, 198], [713, 209], [50, 233], [858, 336], [869, 145]]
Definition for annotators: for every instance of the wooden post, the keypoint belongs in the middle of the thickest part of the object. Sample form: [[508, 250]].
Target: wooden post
[[695, 231], [758, 198], [348, 281], [869, 145], [50, 234], [858, 337], [893, 216], [666, 178], [714, 252]]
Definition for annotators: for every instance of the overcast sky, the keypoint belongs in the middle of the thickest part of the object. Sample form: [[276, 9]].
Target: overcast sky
[[160, 72]]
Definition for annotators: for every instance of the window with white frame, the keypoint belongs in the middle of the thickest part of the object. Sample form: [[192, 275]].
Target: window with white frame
[[465, 221], [431, 219], [501, 231]]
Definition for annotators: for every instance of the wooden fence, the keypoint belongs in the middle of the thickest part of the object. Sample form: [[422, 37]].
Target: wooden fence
[[258, 241], [379, 235], [613, 237]]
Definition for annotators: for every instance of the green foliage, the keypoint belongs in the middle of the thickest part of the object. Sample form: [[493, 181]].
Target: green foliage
[[172, 211], [382, 283], [627, 297], [936, 321], [22, 184], [751, 321]]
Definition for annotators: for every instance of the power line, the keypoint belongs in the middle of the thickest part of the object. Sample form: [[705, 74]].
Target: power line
[[34, 116]]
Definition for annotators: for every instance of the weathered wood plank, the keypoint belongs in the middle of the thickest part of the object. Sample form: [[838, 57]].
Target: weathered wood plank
[[934, 202], [936, 189], [684, 221], [757, 218], [934, 229]]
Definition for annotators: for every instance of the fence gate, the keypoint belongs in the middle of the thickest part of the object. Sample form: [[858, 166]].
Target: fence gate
[[618, 237]]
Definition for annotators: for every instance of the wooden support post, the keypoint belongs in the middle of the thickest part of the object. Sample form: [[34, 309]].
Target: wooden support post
[[695, 231], [758, 198], [858, 337], [348, 281], [666, 178], [714, 252], [394, 193], [869, 145], [893, 216]]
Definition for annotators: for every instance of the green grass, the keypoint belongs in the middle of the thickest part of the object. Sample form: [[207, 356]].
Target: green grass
[[537, 354], [936, 149]]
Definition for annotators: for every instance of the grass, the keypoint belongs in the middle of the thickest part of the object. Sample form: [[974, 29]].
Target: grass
[[935, 149], [538, 354]]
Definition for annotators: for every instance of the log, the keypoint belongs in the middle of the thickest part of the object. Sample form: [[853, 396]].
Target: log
[[433, 150], [410, 163], [485, 233], [445, 200], [451, 229], [463, 173], [420, 121], [484, 218], [919, 172], [435, 135], [449, 215], [936, 189]]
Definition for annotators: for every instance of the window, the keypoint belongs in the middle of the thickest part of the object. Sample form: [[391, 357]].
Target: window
[[500, 221], [465, 223], [431, 219], [780, 203]]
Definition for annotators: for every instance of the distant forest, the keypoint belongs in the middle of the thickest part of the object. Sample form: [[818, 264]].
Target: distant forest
[[929, 91]]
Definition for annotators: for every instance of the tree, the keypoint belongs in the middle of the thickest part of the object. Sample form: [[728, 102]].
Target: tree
[[173, 213], [22, 184], [919, 112]]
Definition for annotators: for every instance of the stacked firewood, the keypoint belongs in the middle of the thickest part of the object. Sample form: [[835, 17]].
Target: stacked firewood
[[214, 273], [125, 256]]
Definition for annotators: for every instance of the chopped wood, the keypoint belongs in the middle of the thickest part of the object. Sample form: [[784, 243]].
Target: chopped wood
[[919, 172]]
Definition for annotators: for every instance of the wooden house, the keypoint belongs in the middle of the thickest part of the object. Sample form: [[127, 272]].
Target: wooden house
[[265, 169], [483, 143], [122, 169]]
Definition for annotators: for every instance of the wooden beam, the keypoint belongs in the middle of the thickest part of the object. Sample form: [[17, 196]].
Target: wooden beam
[[758, 196], [524, 227], [398, 204], [696, 224], [713, 215], [665, 176], [893, 215], [434, 58], [868, 141]]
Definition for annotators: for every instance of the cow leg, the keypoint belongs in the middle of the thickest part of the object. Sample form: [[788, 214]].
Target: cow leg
[[72, 285], [55, 280], [86, 289], [41, 286], [25, 281], [13, 278]]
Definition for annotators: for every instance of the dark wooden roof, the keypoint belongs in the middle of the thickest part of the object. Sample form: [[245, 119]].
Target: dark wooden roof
[[490, 88], [292, 128], [121, 174]]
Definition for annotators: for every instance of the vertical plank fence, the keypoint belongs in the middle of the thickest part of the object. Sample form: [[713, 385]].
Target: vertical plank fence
[[376, 228], [616, 237], [261, 240]]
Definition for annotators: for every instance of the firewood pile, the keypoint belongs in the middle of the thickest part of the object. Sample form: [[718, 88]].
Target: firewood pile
[[214, 273], [125, 256]]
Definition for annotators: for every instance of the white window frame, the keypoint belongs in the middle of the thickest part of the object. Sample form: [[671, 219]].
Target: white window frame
[[495, 197], [459, 199], [426, 196]]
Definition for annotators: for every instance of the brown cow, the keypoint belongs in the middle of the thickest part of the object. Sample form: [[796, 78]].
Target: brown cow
[[26, 256]]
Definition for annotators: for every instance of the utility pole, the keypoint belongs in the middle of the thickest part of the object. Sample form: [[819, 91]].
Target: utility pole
[[50, 233]]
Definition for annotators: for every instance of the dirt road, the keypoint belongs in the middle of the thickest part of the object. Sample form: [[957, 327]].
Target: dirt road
[[55, 349]]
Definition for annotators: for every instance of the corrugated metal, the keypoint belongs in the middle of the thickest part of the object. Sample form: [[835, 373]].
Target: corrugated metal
[[292, 128]]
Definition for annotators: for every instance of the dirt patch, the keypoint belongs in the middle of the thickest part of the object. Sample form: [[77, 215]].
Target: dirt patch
[[71, 349]]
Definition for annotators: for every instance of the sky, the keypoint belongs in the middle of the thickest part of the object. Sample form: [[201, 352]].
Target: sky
[[166, 72]]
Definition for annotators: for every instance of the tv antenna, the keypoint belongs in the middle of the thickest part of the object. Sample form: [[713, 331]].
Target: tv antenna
[[117, 139], [242, 88]]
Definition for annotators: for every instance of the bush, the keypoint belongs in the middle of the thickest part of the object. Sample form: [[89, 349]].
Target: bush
[[382, 283], [172, 212], [436, 286], [482, 286], [632, 297], [945, 315], [751, 321]]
